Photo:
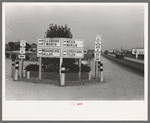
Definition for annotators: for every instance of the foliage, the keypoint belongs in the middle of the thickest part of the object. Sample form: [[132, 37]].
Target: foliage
[[85, 68], [32, 67], [11, 45], [58, 31], [14, 55], [15, 46]]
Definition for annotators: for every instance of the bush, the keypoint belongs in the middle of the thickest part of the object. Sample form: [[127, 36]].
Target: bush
[[13, 55], [85, 68], [32, 67], [7, 55]]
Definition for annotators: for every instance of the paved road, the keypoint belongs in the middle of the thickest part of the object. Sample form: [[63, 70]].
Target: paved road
[[120, 84], [131, 59]]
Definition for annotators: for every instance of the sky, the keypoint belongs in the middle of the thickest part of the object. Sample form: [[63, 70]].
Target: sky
[[120, 25]]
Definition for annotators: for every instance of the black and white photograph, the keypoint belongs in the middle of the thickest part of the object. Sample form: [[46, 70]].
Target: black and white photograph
[[66, 61]]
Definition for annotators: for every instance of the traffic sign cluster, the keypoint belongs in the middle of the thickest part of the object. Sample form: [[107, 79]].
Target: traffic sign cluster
[[22, 49], [68, 48], [97, 53]]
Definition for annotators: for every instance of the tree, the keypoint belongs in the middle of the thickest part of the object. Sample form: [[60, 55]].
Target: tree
[[28, 46], [16, 45], [61, 32], [58, 31], [11, 45], [7, 47]]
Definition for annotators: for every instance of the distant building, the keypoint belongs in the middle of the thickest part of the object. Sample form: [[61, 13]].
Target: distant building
[[138, 50]]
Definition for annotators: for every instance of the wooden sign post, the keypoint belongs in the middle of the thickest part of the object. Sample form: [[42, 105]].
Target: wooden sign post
[[79, 68], [22, 56], [97, 54], [40, 67]]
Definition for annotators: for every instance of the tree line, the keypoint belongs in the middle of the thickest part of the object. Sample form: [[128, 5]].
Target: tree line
[[15, 46]]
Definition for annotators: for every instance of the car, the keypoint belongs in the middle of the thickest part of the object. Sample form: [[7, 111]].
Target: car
[[120, 55]]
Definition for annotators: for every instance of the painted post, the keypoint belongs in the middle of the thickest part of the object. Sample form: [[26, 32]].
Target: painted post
[[12, 67], [60, 64], [62, 81], [101, 72], [16, 77], [90, 75], [79, 68], [28, 74], [99, 68], [21, 71], [40, 67], [95, 69]]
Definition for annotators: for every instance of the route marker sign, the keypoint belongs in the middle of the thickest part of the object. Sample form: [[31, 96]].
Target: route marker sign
[[97, 53]]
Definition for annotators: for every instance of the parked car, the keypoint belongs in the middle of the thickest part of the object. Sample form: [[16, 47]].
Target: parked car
[[120, 55]]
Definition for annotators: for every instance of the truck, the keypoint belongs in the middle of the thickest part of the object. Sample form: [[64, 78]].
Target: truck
[[120, 55]]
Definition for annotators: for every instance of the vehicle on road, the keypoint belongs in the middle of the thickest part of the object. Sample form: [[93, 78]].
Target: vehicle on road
[[120, 55]]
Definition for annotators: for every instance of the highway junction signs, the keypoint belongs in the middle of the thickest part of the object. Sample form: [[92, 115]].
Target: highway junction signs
[[22, 49], [97, 52], [60, 47]]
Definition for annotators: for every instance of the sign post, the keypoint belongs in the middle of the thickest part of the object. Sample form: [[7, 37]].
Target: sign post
[[22, 56], [40, 67], [97, 54], [79, 68]]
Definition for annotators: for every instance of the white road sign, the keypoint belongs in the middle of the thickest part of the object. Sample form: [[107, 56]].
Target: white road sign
[[49, 52], [74, 43], [22, 44], [97, 55], [22, 56], [97, 59], [22, 51], [73, 53], [49, 42], [98, 37]]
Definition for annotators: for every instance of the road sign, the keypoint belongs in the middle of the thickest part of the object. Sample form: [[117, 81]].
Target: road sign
[[73, 53], [49, 52], [22, 56], [98, 37], [49, 42], [97, 59], [74, 43], [97, 55], [22, 51], [22, 44]]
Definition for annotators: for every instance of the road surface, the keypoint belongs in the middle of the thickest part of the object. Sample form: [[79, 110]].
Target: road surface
[[119, 84]]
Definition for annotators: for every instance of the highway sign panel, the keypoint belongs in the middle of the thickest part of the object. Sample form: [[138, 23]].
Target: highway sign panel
[[22, 56], [49, 52], [74, 43], [49, 42], [73, 53]]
